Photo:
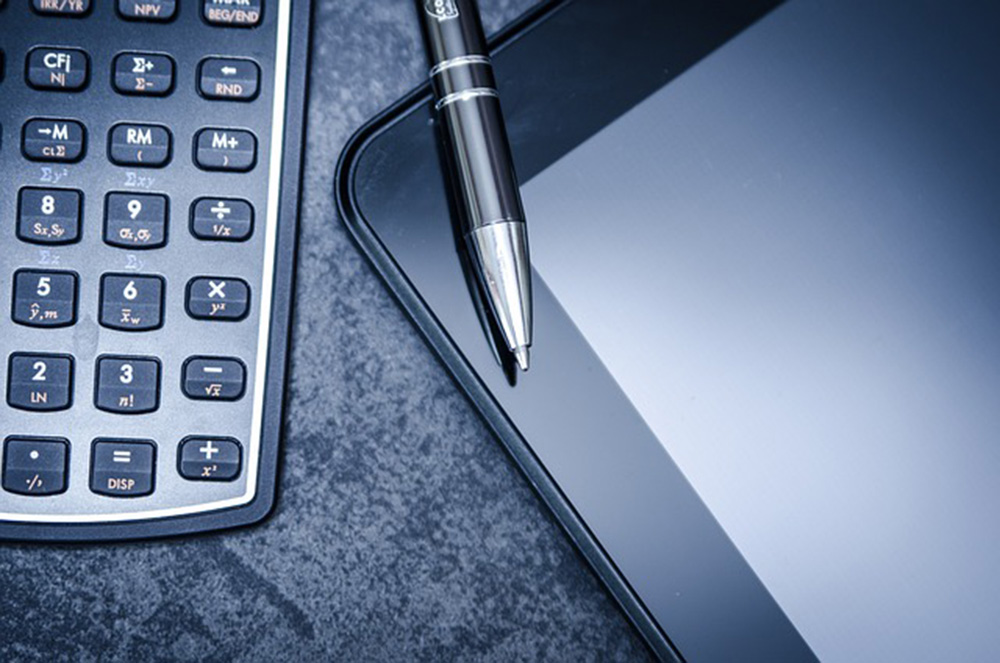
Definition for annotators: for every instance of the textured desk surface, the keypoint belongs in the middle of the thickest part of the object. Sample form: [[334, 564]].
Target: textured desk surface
[[403, 531]]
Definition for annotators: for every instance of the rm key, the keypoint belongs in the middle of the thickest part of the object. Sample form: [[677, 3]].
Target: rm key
[[233, 150]]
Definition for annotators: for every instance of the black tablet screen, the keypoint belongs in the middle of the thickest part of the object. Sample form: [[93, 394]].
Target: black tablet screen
[[789, 258]]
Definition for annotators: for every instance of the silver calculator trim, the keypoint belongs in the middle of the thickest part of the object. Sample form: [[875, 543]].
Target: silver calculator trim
[[264, 331]]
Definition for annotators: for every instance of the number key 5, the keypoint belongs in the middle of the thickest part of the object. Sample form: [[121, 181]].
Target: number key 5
[[44, 299]]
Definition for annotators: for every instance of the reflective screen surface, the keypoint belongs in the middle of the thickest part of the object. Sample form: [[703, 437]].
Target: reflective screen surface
[[788, 258]]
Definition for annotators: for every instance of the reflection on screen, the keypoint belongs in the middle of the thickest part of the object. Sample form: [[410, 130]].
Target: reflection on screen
[[790, 260]]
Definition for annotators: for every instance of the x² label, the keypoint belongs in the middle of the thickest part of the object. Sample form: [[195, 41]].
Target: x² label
[[217, 289]]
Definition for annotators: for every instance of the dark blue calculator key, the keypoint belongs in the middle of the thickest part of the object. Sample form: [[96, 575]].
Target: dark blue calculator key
[[123, 468], [60, 69], [49, 216], [147, 145], [214, 378], [61, 141], [209, 458], [222, 219], [234, 79], [233, 150], [69, 8], [44, 298], [143, 74], [130, 302], [35, 466], [147, 10], [128, 385], [40, 382], [218, 298], [135, 220]]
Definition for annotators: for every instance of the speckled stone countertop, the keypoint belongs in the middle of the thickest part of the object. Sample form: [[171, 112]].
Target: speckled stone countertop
[[403, 531]]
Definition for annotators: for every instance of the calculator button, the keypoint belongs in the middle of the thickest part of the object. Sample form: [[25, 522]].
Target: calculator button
[[218, 298], [209, 458], [35, 466], [135, 221], [49, 216], [238, 13], [57, 68], [131, 303], [222, 219], [53, 140], [123, 468], [225, 149], [41, 383], [229, 78], [139, 145], [214, 379], [144, 74], [128, 385], [44, 299], [147, 10], [61, 7]]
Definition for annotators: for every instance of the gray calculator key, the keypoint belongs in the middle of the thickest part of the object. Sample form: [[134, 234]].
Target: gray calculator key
[[147, 145], [232, 150], [147, 10], [218, 298], [40, 383], [123, 468], [144, 74], [132, 303], [222, 219], [35, 465], [135, 221], [44, 298], [62, 141], [214, 379], [209, 458], [58, 68], [49, 216], [128, 385]]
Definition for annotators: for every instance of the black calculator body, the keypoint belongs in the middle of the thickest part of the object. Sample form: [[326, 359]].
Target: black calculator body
[[150, 155]]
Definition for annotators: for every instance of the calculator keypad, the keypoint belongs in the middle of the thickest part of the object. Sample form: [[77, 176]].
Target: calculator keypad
[[137, 243]]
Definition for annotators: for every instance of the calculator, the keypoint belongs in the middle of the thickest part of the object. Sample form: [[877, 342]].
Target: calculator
[[150, 152]]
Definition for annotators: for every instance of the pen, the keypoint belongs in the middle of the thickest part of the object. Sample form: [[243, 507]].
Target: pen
[[468, 107]]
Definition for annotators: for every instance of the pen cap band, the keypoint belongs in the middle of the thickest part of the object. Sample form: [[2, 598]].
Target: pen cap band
[[452, 28], [470, 72]]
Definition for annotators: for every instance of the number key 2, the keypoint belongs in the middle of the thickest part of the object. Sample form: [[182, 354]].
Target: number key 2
[[42, 383]]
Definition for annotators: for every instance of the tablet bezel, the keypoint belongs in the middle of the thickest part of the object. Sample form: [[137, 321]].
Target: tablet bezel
[[732, 614]]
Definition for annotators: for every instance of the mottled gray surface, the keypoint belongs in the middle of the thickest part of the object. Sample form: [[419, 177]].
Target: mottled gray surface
[[403, 531]]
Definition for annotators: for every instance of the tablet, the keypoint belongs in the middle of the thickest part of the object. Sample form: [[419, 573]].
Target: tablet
[[764, 392]]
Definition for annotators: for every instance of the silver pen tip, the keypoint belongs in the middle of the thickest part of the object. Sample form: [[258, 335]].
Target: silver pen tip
[[521, 355]]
